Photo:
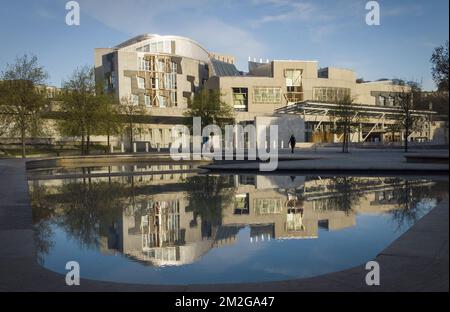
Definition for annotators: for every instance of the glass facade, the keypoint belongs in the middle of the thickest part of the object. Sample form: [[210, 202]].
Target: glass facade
[[156, 47], [330, 94], [267, 95], [240, 99]]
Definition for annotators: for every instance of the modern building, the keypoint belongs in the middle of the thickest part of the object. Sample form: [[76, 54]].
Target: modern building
[[164, 72]]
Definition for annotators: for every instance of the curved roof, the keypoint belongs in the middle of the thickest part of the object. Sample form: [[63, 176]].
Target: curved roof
[[184, 46]]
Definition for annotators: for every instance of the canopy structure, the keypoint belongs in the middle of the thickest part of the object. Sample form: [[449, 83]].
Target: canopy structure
[[370, 111], [371, 117]]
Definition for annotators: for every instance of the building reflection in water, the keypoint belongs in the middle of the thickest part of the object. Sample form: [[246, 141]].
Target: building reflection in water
[[175, 218]]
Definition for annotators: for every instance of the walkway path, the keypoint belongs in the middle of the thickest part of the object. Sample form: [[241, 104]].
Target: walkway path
[[333, 160]]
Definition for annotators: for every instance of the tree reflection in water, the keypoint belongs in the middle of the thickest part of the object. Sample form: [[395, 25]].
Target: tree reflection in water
[[85, 211], [348, 193], [89, 208], [412, 200], [43, 210], [207, 196]]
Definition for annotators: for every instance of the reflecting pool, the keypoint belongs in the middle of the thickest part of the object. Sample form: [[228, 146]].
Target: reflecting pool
[[168, 225]]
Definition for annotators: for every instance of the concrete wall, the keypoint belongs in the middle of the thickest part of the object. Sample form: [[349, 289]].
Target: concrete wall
[[287, 125]]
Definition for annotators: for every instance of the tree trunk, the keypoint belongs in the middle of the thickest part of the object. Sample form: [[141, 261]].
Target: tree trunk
[[22, 138], [406, 142], [131, 137], [88, 143], [109, 144], [82, 144]]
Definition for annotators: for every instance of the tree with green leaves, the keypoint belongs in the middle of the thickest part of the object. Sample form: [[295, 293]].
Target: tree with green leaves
[[439, 71], [346, 121], [208, 105], [21, 104], [81, 107]]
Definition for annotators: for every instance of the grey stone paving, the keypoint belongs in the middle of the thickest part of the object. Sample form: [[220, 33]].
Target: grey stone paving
[[333, 159], [417, 261]]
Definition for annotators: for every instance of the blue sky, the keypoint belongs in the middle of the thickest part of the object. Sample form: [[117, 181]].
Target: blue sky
[[332, 32]]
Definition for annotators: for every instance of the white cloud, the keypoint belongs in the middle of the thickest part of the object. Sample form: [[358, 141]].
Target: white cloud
[[298, 11], [185, 18]]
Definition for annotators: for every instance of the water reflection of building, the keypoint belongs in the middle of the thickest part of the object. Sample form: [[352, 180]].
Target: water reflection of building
[[159, 226], [160, 230]]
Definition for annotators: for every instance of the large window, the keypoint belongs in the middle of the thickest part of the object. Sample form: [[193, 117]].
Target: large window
[[269, 95], [173, 98], [156, 47], [162, 100], [391, 101], [148, 101], [143, 64], [141, 82], [135, 99], [293, 77], [294, 92], [268, 206], [241, 204], [330, 94], [171, 81], [240, 99]]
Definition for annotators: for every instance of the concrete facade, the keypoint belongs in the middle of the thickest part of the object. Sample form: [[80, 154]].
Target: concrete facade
[[259, 96]]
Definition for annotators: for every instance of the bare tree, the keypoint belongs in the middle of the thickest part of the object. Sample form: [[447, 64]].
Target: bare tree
[[131, 109], [408, 121], [346, 121], [440, 68]]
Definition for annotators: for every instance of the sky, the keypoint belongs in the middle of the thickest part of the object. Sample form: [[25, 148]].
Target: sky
[[332, 32]]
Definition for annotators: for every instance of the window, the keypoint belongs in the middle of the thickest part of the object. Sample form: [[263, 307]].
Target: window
[[141, 82], [382, 100], [293, 77], [160, 66], [155, 84], [143, 64], [171, 81], [390, 101], [173, 98], [157, 47], [269, 95], [174, 67], [267, 206], [135, 99], [148, 101], [330, 94], [241, 204], [240, 99], [113, 79], [162, 100]]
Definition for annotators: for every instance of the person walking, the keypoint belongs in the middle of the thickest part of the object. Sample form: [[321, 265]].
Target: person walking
[[292, 142]]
